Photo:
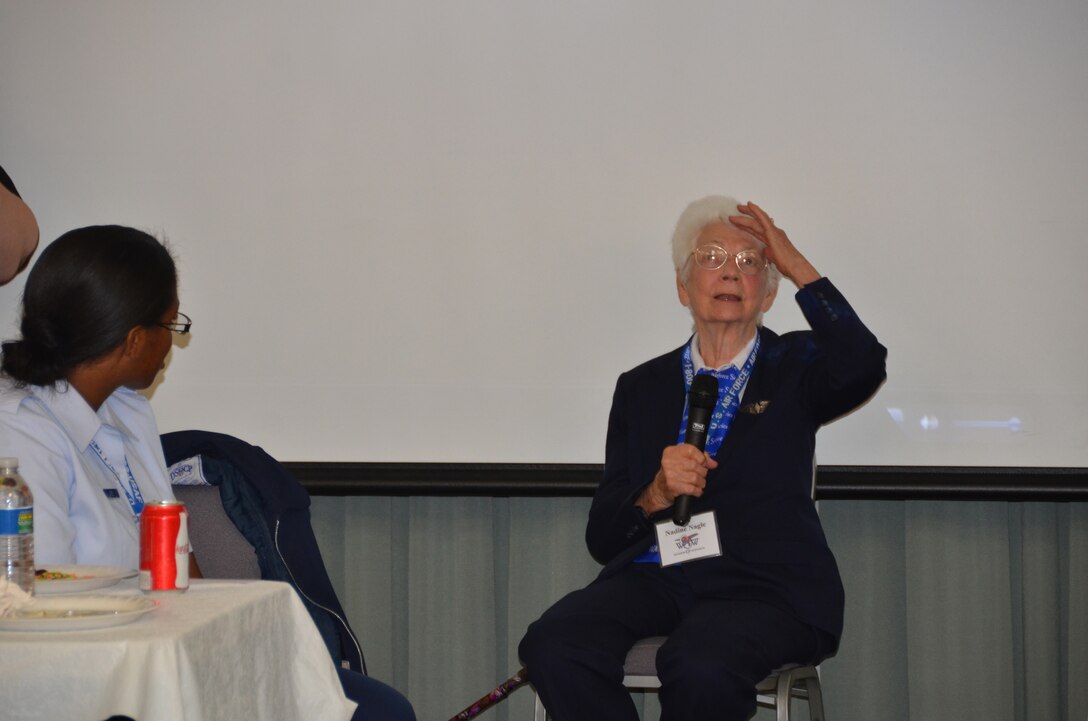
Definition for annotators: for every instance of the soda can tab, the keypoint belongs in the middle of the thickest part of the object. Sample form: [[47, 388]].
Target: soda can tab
[[164, 547]]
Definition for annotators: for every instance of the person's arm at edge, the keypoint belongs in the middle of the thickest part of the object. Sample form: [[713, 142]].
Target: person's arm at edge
[[18, 235]]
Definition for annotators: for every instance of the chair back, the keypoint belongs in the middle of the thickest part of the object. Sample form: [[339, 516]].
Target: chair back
[[220, 548]]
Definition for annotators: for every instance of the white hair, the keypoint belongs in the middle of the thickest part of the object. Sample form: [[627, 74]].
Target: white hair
[[698, 215]]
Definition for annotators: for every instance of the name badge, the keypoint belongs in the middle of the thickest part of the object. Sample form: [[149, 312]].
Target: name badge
[[680, 544]]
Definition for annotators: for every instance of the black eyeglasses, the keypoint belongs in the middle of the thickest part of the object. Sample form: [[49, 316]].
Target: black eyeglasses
[[180, 327]]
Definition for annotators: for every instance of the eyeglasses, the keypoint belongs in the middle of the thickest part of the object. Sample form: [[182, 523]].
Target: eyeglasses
[[712, 257], [181, 327]]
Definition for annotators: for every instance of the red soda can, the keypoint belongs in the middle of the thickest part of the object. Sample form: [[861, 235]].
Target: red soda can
[[164, 547]]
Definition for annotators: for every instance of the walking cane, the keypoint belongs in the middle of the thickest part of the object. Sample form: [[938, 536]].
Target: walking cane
[[501, 691]]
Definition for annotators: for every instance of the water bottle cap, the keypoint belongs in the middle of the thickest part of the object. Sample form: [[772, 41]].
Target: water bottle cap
[[9, 462]]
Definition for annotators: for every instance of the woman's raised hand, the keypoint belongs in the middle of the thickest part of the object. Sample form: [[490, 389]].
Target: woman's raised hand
[[780, 250]]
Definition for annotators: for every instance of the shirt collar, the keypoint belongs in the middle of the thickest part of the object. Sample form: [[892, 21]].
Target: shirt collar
[[737, 360], [79, 421], [76, 417]]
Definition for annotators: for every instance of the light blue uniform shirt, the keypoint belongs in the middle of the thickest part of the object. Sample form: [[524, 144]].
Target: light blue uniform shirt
[[81, 514]]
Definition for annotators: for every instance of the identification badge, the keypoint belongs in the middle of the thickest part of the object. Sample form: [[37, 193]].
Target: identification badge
[[680, 544]]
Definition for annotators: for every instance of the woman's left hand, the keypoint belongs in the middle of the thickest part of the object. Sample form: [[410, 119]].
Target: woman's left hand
[[780, 251]]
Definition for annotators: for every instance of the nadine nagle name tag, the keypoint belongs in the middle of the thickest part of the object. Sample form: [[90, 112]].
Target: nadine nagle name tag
[[680, 544]]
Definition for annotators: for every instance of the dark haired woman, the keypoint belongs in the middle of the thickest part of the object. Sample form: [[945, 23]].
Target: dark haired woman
[[100, 309]]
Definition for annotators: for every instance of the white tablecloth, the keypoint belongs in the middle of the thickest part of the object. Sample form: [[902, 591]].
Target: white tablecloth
[[222, 651]]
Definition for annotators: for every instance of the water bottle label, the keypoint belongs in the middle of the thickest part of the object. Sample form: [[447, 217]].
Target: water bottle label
[[16, 521]]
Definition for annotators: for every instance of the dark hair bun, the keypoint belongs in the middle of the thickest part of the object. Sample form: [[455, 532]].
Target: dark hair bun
[[29, 362]]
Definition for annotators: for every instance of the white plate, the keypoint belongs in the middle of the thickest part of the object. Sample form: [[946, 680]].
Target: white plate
[[87, 578], [76, 613]]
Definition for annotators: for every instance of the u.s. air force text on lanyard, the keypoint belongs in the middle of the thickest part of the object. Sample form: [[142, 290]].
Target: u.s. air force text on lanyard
[[699, 538], [131, 488]]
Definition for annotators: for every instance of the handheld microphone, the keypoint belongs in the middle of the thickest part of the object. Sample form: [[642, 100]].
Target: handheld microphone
[[701, 401]]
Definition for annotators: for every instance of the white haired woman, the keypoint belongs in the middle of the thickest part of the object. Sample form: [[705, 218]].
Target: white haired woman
[[773, 594]]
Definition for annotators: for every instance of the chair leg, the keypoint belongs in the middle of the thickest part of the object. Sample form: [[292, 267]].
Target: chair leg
[[815, 699], [788, 687], [784, 695]]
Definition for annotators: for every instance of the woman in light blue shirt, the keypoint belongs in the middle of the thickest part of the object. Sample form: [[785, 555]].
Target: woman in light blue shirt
[[99, 312]]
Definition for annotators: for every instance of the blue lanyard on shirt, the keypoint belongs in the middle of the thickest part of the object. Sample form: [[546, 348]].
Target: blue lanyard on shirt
[[724, 410], [730, 383], [132, 490]]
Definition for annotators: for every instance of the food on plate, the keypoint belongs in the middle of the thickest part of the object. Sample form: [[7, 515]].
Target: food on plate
[[44, 574]]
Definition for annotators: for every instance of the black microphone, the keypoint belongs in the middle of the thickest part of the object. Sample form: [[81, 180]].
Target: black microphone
[[702, 398]]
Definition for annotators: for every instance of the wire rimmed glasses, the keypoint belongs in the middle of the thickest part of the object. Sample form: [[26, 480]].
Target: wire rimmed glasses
[[712, 257]]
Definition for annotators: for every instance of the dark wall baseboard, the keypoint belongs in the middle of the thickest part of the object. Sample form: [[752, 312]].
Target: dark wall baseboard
[[957, 483]]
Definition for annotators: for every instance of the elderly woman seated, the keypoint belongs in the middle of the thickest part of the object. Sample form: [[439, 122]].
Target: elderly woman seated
[[772, 595]]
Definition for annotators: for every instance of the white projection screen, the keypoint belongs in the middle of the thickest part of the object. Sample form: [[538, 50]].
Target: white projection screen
[[438, 231]]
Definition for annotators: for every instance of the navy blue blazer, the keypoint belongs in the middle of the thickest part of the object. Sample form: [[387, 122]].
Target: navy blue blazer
[[773, 547]]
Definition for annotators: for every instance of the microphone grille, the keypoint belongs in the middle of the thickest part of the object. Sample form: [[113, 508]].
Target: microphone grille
[[704, 391]]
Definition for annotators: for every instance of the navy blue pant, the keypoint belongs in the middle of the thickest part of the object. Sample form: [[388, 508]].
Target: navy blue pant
[[377, 701], [717, 650]]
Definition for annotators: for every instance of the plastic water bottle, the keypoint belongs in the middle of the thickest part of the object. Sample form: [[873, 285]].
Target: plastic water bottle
[[16, 527]]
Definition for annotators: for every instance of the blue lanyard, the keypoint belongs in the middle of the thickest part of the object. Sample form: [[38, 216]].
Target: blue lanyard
[[132, 490], [728, 397], [724, 410]]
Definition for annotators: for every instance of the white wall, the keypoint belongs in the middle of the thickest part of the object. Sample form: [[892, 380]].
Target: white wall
[[437, 231]]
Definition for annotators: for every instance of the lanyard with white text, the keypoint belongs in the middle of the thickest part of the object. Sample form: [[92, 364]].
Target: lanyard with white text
[[728, 400], [724, 410], [132, 490]]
